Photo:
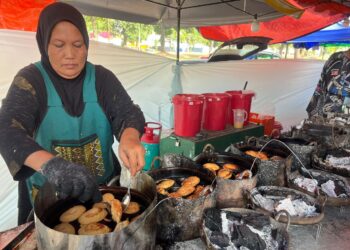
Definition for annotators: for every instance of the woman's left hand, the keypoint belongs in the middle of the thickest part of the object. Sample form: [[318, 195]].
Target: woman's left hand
[[131, 151]]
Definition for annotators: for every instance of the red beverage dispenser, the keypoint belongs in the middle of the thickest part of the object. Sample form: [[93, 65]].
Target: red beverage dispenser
[[215, 111], [188, 110], [240, 99]]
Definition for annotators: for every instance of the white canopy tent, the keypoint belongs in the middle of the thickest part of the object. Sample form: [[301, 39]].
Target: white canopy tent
[[283, 87], [194, 13], [180, 13]]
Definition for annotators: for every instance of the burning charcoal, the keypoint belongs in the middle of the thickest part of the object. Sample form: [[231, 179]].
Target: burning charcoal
[[213, 219], [232, 216], [257, 220], [220, 239], [242, 236]]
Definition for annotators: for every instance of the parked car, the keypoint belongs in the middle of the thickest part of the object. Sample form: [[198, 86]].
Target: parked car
[[264, 55], [240, 49]]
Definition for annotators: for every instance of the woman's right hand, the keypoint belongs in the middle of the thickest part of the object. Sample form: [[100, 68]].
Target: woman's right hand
[[71, 180]]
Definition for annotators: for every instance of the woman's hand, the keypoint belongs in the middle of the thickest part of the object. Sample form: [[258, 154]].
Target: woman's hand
[[131, 151]]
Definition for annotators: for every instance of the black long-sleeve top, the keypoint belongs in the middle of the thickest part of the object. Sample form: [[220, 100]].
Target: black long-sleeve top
[[26, 104]]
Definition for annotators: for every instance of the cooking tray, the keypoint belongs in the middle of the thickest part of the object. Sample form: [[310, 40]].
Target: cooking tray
[[218, 235], [281, 193]]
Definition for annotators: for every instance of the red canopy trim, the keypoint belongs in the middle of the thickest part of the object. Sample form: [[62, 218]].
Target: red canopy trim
[[284, 28], [21, 14]]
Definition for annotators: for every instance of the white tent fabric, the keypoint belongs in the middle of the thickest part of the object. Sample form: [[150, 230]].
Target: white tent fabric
[[227, 12], [283, 87]]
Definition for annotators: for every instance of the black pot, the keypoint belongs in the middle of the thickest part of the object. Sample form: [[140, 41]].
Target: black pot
[[139, 234], [319, 160], [179, 219]]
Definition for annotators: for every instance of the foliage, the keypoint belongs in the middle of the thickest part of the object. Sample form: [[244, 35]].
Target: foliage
[[133, 33]]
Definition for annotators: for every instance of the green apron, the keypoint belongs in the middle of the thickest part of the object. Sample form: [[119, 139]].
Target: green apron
[[85, 140]]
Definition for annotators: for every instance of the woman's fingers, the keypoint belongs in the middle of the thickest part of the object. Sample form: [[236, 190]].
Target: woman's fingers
[[133, 158]]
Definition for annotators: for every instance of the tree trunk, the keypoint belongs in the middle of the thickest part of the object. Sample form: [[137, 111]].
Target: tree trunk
[[162, 38], [125, 38], [94, 26]]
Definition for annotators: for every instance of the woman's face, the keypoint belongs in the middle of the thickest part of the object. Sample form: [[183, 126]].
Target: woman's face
[[66, 50]]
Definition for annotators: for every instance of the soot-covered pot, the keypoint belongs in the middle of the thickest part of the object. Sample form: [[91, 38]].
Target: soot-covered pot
[[272, 166], [139, 234], [327, 131], [302, 208], [300, 148], [179, 218], [331, 159], [230, 192], [315, 182], [237, 228]]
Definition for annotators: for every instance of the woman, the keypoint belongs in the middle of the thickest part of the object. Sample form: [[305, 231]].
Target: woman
[[333, 89], [60, 114]]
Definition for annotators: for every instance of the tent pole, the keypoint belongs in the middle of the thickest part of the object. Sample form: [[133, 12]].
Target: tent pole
[[178, 35]]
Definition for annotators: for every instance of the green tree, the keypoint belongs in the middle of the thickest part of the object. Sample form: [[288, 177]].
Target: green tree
[[133, 32], [96, 25]]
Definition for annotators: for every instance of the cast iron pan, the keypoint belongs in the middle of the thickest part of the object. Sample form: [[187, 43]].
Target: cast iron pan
[[179, 174], [244, 161], [270, 151], [295, 140]]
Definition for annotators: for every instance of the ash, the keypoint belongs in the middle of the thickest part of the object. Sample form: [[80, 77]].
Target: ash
[[338, 162], [306, 183], [264, 202], [329, 189], [296, 207]]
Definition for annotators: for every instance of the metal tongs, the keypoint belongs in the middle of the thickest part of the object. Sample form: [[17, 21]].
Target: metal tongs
[[127, 197]]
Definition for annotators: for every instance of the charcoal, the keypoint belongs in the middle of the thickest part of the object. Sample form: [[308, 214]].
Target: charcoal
[[339, 187], [220, 239], [242, 236], [258, 221], [233, 216], [278, 236], [213, 219], [338, 153]]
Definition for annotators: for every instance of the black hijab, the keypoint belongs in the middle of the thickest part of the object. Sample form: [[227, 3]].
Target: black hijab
[[70, 90]]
